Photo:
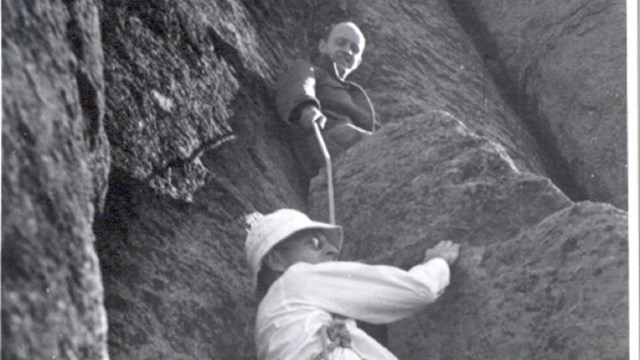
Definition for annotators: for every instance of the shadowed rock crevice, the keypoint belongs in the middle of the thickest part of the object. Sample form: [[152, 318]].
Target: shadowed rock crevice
[[171, 281], [524, 106], [91, 109]]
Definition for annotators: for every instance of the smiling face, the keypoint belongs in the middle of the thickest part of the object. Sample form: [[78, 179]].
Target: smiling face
[[344, 46], [310, 246]]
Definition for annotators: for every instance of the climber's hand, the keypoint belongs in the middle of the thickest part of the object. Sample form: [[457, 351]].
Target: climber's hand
[[311, 114], [446, 250], [333, 336]]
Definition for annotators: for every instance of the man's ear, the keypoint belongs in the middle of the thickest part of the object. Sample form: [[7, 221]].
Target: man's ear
[[322, 46], [275, 261]]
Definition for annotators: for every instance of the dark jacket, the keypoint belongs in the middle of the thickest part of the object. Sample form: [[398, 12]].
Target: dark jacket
[[350, 114]]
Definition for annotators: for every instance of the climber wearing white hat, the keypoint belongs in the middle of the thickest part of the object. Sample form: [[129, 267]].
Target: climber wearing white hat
[[303, 289], [271, 230]]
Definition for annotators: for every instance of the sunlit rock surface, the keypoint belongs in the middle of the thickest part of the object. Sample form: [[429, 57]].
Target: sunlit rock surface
[[433, 171], [563, 66]]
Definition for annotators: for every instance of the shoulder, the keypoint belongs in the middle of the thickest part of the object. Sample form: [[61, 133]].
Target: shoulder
[[299, 270], [303, 270]]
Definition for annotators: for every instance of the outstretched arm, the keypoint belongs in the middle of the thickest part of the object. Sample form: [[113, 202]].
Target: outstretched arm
[[372, 293]]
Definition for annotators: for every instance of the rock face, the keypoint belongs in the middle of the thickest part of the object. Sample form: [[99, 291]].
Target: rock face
[[555, 291], [563, 66], [54, 173], [538, 276], [175, 82], [431, 169]]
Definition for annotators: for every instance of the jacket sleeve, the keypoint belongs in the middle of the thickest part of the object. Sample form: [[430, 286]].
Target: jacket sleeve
[[372, 293], [296, 88]]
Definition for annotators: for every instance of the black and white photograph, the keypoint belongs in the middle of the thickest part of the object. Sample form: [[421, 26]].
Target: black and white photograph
[[319, 180]]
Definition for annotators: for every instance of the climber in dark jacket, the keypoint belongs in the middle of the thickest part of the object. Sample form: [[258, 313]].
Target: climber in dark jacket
[[308, 93]]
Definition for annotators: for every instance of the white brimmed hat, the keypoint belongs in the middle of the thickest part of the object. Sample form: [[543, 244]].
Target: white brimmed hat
[[268, 230]]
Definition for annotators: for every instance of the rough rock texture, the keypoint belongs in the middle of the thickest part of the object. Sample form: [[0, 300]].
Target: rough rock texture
[[538, 277], [54, 172], [563, 67], [433, 170], [558, 290], [175, 74]]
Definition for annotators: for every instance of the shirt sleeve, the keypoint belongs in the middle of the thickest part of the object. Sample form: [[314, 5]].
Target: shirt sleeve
[[372, 293], [296, 89]]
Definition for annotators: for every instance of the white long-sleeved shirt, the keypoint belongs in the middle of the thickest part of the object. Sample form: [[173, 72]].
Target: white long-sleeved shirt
[[304, 298]]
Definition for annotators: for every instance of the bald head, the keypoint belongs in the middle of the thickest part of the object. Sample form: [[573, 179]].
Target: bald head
[[344, 45]]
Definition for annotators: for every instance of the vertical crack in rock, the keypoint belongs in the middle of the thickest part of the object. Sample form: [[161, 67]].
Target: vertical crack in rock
[[74, 34], [90, 108], [83, 41], [88, 95], [524, 106]]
